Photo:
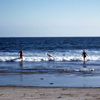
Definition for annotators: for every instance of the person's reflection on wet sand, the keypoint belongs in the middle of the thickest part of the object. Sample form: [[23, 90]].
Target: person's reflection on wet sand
[[84, 66], [21, 63]]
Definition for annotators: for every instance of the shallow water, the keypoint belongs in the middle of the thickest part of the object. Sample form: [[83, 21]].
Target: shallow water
[[64, 69], [50, 74]]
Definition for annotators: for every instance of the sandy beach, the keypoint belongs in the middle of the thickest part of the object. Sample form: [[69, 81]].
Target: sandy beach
[[41, 93]]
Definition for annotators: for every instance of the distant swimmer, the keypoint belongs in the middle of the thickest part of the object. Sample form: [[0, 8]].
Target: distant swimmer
[[84, 54], [49, 55], [21, 54]]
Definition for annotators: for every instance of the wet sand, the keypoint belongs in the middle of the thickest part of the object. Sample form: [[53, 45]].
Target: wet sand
[[43, 93]]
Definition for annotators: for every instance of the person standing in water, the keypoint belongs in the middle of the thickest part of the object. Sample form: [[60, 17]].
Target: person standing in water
[[84, 54], [21, 54]]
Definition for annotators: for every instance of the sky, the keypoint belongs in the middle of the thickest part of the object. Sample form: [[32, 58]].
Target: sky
[[49, 18]]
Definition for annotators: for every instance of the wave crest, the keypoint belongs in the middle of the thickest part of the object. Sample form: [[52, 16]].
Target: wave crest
[[40, 59]]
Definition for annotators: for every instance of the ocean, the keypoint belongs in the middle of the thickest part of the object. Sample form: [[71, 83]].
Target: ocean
[[65, 68]]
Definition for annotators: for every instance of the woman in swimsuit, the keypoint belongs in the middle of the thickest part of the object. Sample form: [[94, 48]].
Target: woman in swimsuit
[[21, 54], [84, 54]]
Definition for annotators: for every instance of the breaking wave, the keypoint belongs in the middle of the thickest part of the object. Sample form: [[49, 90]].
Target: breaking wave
[[40, 59]]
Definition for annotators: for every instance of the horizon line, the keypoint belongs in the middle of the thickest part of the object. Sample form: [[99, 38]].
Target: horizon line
[[44, 36]]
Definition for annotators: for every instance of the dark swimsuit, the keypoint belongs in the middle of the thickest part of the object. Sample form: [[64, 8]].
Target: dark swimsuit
[[84, 54], [21, 54]]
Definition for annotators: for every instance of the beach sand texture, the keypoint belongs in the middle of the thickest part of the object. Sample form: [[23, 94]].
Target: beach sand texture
[[41, 93]]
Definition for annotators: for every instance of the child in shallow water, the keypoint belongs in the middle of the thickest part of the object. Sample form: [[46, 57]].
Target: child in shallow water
[[49, 55]]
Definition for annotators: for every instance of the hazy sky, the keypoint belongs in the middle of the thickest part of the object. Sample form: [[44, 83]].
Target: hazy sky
[[36, 18]]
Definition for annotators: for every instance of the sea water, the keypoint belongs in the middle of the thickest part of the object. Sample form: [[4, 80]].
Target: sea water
[[64, 69]]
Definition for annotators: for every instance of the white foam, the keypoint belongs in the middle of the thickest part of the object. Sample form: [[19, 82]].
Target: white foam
[[80, 70], [39, 59], [71, 55]]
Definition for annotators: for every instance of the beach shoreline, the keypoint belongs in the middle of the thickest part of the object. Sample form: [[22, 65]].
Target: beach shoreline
[[49, 93]]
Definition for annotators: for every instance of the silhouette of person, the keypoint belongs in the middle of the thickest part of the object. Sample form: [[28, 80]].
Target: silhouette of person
[[21, 54], [84, 54]]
